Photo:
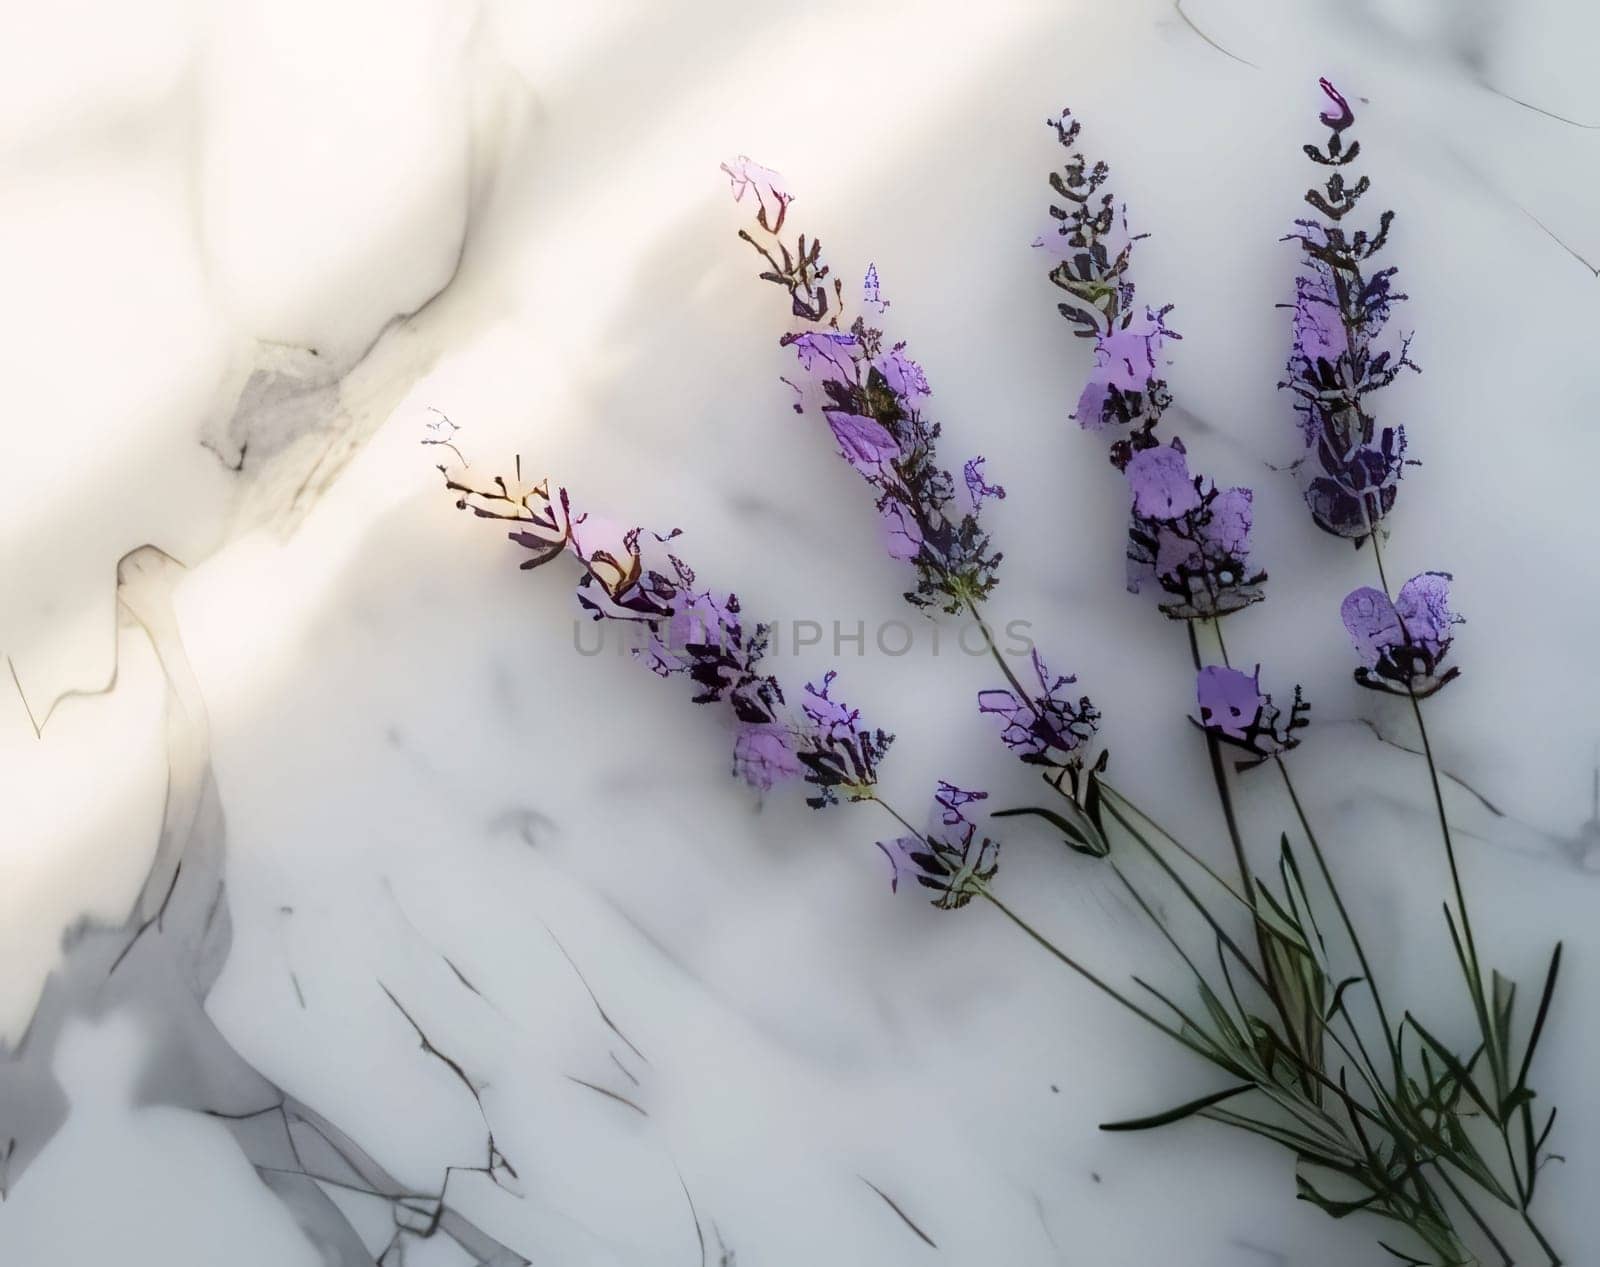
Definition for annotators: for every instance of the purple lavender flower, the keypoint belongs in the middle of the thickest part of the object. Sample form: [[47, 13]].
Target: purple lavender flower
[[952, 858], [871, 394], [1344, 349], [1403, 643], [1235, 710], [840, 756], [1189, 537], [1047, 729]]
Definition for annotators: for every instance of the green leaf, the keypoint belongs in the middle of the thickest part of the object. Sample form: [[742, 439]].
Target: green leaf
[[1338, 996], [1305, 1190], [1539, 1018], [1457, 1069], [1179, 1113], [1074, 836]]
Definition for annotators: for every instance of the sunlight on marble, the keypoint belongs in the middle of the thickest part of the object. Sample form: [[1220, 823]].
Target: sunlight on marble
[[474, 954]]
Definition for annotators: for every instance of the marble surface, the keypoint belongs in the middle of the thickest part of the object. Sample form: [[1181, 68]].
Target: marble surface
[[325, 853]]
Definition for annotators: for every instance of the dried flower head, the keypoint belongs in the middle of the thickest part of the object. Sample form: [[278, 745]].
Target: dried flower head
[[1234, 708], [1189, 537], [1344, 349], [1403, 643], [872, 396], [952, 857]]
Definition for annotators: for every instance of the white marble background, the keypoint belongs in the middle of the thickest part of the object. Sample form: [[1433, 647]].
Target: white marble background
[[248, 248]]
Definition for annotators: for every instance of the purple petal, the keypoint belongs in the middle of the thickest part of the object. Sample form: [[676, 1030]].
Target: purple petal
[[1229, 525], [764, 756], [1342, 116], [871, 297], [772, 199], [999, 702], [1318, 326], [827, 355], [1161, 484], [977, 488], [1373, 623], [1424, 608], [948, 801], [1230, 701], [865, 443], [899, 853], [903, 375], [905, 534], [1126, 356], [1091, 411]]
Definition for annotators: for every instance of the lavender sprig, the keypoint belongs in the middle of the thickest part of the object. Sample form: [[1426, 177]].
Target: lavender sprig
[[1187, 537], [872, 396], [630, 577], [1344, 349], [1092, 251]]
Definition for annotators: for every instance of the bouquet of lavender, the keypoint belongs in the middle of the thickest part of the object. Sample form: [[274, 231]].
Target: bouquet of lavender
[[1382, 1117]]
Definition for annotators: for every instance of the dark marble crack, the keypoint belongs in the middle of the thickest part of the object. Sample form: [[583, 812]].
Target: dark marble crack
[[160, 964], [904, 1217], [1189, 22], [609, 1094], [497, 1161]]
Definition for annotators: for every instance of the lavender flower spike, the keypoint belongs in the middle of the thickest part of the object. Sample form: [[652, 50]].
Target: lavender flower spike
[[1188, 537], [631, 577], [871, 394], [952, 857], [1234, 708], [1343, 349], [1402, 643], [1092, 250]]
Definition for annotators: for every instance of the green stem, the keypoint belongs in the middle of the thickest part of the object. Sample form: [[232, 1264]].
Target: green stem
[[1344, 914], [1220, 776], [1023, 694], [1083, 972], [1438, 800]]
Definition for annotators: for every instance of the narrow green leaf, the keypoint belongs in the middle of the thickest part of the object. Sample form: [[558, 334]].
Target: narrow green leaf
[[1338, 996], [1179, 1113], [1453, 1065], [1539, 1017]]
